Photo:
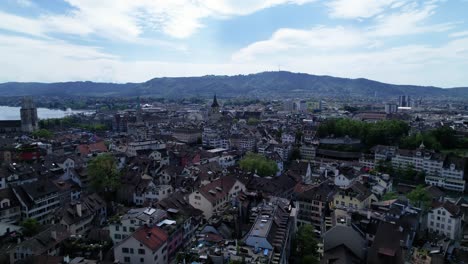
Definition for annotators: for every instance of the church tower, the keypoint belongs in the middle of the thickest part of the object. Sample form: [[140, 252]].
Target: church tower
[[214, 113], [215, 105], [29, 120]]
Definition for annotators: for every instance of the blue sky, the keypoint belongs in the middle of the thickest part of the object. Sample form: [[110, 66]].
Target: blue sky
[[395, 41]]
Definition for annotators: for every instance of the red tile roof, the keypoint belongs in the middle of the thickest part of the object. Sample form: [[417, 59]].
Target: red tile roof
[[85, 149], [152, 237]]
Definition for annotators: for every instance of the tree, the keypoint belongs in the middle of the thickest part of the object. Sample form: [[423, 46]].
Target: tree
[[295, 154], [30, 227], [307, 244], [389, 196], [103, 173], [42, 133], [419, 197], [258, 163], [252, 121]]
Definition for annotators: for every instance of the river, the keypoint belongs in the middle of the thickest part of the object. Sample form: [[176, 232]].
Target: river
[[13, 113]]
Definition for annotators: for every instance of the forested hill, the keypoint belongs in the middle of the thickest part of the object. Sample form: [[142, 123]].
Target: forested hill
[[265, 84]]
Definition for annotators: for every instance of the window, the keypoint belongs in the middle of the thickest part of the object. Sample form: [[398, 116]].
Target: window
[[124, 229], [124, 250], [437, 225], [438, 218], [117, 236], [156, 257], [197, 197], [131, 251], [449, 220], [449, 227], [132, 229], [432, 216], [142, 260], [117, 228], [432, 223], [127, 259], [141, 251]]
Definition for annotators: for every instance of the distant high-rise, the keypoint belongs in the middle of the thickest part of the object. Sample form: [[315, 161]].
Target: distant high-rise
[[391, 108], [404, 101], [29, 120]]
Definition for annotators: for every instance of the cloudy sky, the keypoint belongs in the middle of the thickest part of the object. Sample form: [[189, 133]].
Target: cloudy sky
[[396, 41]]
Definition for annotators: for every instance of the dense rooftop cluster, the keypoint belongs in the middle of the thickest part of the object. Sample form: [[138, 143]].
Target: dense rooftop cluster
[[264, 182]]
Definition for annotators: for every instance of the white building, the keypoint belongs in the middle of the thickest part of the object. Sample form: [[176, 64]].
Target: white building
[[445, 219], [441, 170], [133, 147], [146, 245], [132, 220]]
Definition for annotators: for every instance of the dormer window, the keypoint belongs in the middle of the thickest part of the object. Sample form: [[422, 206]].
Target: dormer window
[[452, 166]]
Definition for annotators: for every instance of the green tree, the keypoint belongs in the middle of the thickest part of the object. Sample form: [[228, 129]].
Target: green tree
[[42, 133], [30, 227], [307, 244], [389, 196], [252, 121], [419, 197], [258, 163], [103, 173]]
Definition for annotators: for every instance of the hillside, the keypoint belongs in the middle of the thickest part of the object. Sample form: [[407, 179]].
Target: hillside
[[265, 84]]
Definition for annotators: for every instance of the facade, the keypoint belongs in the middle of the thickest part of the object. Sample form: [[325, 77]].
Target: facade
[[145, 245], [39, 200], [441, 170], [215, 197], [356, 197], [314, 204], [445, 219], [29, 119], [10, 210], [308, 151], [132, 220]]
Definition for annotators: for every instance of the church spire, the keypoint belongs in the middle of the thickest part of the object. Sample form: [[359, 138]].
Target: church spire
[[215, 102]]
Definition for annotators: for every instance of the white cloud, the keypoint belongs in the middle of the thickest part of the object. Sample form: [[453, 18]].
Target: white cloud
[[302, 41], [127, 20], [360, 8], [48, 60], [24, 3], [459, 34], [411, 19]]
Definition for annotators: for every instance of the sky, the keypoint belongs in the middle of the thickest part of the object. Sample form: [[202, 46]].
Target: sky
[[395, 41]]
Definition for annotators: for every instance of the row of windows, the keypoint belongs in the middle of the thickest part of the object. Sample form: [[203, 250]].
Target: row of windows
[[442, 226]]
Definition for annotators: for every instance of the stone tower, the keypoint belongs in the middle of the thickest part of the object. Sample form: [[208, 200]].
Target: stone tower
[[214, 113], [29, 120]]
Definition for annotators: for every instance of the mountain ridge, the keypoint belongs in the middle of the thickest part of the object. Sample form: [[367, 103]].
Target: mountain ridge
[[262, 85]]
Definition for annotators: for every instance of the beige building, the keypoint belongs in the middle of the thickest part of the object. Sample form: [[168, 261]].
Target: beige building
[[215, 196]]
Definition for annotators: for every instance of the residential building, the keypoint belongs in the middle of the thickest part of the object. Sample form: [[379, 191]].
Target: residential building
[[214, 197], [445, 218], [314, 205], [135, 218], [356, 197], [47, 242], [273, 229], [145, 245], [39, 200]]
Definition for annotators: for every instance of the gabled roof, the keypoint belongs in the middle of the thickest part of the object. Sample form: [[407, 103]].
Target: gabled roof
[[218, 189], [152, 237]]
